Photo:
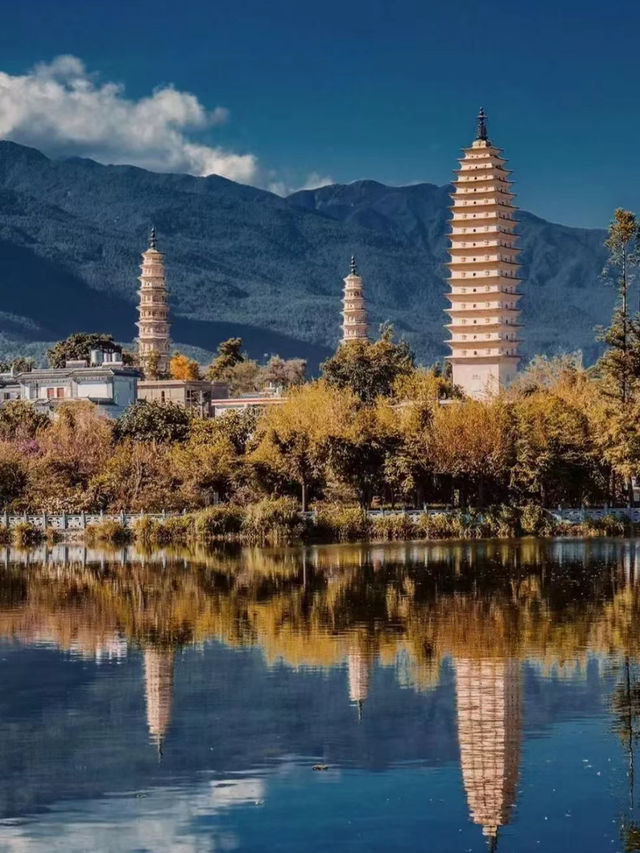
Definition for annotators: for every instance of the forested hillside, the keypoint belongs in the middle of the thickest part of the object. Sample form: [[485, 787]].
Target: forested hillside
[[242, 261]]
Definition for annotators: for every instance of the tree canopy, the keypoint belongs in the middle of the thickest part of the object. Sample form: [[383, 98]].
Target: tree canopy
[[154, 422], [369, 369], [79, 346]]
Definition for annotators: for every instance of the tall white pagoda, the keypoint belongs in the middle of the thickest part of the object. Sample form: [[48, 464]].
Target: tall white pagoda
[[483, 271], [354, 313], [153, 308]]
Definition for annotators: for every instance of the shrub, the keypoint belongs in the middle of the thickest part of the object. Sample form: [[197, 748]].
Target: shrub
[[341, 523], [439, 526], [6, 536], [144, 530], [174, 530], [397, 526], [273, 520], [109, 531], [608, 525], [25, 534], [536, 521], [502, 521], [219, 521]]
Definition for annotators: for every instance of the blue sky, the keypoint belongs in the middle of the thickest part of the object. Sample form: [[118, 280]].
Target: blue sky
[[338, 90]]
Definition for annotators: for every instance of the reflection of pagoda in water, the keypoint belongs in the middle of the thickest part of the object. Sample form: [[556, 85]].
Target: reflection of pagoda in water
[[158, 690], [359, 664], [489, 705]]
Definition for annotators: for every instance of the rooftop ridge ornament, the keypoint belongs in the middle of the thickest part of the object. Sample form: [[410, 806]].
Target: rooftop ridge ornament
[[482, 126], [152, 238], [353, 269]]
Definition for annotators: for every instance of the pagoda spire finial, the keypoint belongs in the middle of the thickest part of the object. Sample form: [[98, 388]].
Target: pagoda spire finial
[[353, 269], [152, 238], [482, 126]]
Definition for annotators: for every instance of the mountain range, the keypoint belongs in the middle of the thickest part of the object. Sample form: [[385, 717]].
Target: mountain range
[[243, 261]]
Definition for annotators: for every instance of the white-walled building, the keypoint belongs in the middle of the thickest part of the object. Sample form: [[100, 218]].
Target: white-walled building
[[106, 382]]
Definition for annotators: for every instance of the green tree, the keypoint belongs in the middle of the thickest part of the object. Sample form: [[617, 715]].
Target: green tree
[[243, 377], [229, 354], [152, 365], [369, 369], [360, 453], [621, 362], [20, 364], [162, 423], [79, 346], [619, 367]]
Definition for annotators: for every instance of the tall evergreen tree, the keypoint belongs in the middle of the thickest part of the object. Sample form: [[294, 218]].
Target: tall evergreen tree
[[619, 367]]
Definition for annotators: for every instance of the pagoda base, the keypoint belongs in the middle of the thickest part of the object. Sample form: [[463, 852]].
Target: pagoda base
[[483, 378]]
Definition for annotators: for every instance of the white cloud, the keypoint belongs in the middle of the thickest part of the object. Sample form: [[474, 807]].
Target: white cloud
[[312, 182], [62, 109]]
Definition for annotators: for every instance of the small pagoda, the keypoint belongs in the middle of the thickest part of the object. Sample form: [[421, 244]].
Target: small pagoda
[[153, 308], [483, 271], [354, 312]]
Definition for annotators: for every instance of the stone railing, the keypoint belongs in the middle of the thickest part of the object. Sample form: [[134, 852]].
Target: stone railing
[[77, 520], [584, 513], [81, 520]]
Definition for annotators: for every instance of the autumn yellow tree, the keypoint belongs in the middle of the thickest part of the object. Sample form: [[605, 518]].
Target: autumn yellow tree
[[292, 438], [182, 367], [204, 466], [471, 442], [137, 477], [72, 449]]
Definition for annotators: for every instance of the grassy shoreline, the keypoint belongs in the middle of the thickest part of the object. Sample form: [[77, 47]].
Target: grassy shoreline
[[276, 521]]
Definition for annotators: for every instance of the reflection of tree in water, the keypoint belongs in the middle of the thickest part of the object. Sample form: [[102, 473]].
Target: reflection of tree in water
[[487, 606]]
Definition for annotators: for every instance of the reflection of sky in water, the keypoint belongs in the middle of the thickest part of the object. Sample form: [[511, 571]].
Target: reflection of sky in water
[[111, 740], [163, 820]]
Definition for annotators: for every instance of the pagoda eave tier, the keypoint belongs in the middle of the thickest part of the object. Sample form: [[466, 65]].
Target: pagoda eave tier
[[482, 167], [493, 326], [481, 206], [487, 150], [482, 220], [461, 260], [484, 359], [479, 344], [466, 313], [489, 194], [481, 296]]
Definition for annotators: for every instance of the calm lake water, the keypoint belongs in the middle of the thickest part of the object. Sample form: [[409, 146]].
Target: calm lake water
[[457, 697]]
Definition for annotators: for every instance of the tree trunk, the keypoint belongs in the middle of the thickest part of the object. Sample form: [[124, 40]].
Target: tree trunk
[[303, 495]]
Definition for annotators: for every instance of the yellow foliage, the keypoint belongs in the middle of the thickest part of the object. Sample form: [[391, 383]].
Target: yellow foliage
[[182, 367]]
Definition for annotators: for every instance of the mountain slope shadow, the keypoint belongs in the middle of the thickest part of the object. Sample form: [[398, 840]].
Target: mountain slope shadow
[[64, 304]]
